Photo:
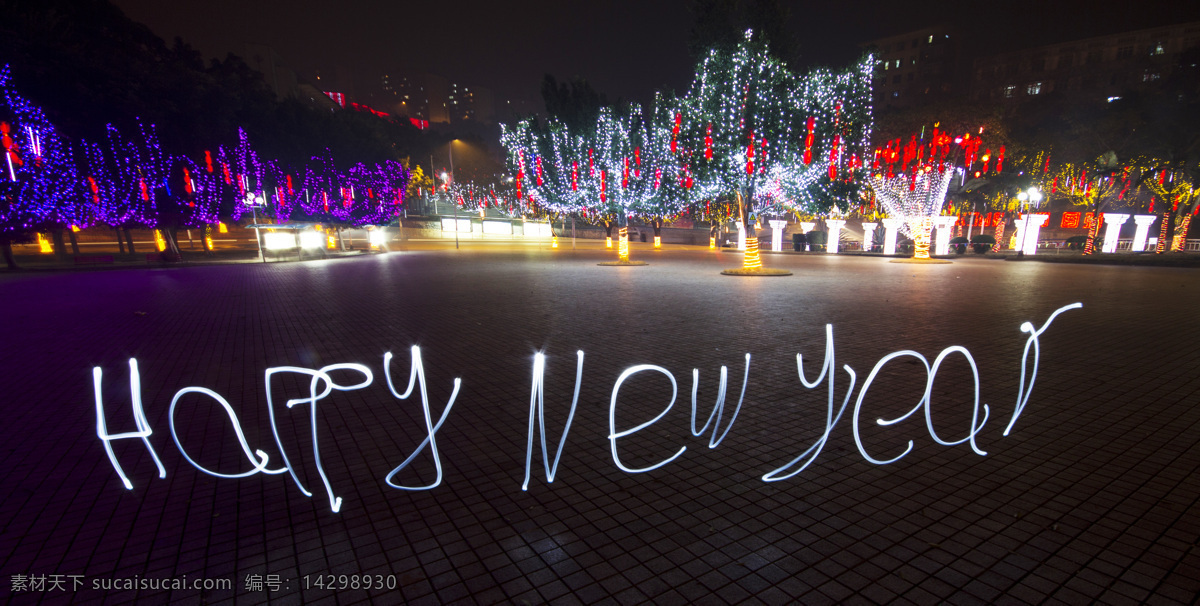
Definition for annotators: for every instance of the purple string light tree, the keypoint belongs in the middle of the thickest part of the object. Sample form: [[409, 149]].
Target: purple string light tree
[[40, 189]]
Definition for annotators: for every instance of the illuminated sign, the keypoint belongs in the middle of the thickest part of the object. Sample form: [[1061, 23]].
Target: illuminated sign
[[322, 385], [1070, 220]]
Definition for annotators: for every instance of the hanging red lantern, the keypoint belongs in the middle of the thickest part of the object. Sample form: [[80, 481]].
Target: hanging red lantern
[[708, 142], [750, 156], [808, 140]]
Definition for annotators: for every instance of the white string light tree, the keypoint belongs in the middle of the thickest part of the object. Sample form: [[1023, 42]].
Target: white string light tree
[[751, 130], [621, 170], [547, 163], [918, 198], [911, 181]]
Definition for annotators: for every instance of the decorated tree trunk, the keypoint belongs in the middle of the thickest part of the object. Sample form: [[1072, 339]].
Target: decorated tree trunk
[[1164, 233], [1179, 241]]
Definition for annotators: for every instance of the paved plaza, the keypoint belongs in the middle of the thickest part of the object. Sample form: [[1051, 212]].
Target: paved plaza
[[1092, 497]]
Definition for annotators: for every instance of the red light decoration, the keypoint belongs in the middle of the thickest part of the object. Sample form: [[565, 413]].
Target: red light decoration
[[145, 191], [1000, 160], [637, 162], [750, 156], [187, 182], [1046, 168], [675, 131], [708, 142], [291, 192], [603, 187], [833, 157], [538, 160], [808, 141], [574, 176], [95, 190], [208, 161], [591, 165], [625, 176], [1070, 220]]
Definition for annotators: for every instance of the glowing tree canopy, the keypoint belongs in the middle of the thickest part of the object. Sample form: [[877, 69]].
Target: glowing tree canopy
[[40, 187], [750, 129]]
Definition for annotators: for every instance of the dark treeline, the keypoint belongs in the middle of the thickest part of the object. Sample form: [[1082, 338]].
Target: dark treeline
[[89, 65]]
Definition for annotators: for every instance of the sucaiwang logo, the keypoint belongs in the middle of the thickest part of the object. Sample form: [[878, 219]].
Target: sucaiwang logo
[[322, 385]]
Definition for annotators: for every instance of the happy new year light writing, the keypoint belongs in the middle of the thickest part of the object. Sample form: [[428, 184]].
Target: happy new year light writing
[[321, 385]]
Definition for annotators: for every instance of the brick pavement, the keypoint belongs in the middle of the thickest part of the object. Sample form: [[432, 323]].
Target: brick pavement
[[1092, 498]]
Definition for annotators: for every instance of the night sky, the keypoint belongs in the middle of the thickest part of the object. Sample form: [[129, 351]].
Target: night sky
[[625, 49]]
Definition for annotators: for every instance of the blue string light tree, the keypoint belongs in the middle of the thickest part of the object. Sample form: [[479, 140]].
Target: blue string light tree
[[751, 130], [40, 189]]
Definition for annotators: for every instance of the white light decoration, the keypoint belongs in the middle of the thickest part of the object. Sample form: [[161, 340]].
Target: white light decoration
[[807, 226], [144, 431], [944, 226], [537, 409], [1143, 228], [1029, 227], [835, 228], [377, 237], [459, 225], [891, 228], [497, 228], [1112, 231], [868, 235], [777, 235], [918, 198], [322, 385], [741, 240], [279, 240], [417, 375], [719, 407], [613, 434], [310, 239], [538, 230]]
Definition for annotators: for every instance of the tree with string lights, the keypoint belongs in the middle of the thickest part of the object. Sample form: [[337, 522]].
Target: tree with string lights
[[751, 130]]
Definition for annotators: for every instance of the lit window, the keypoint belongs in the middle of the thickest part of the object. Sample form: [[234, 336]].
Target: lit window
[[1150, 76], [1034, 88], [1111, 99], [1158, 49], [897, 64], [931, 39], [1009, 91]]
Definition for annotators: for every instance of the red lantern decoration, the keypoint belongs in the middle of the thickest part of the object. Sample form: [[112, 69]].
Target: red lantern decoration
[[808, 141]]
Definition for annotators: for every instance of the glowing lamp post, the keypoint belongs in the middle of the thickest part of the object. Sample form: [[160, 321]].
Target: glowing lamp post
[[777, 235], [891, 229], [868, 235], [1112, 231], [835, 228], [1143, 227]]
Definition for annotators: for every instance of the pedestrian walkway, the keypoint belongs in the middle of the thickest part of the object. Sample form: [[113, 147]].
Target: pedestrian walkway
[[1091, 497]]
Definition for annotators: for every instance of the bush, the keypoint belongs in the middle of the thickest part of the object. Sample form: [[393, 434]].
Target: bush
[[959, 244], [817, 240], [1076, 242], [981, 243]]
